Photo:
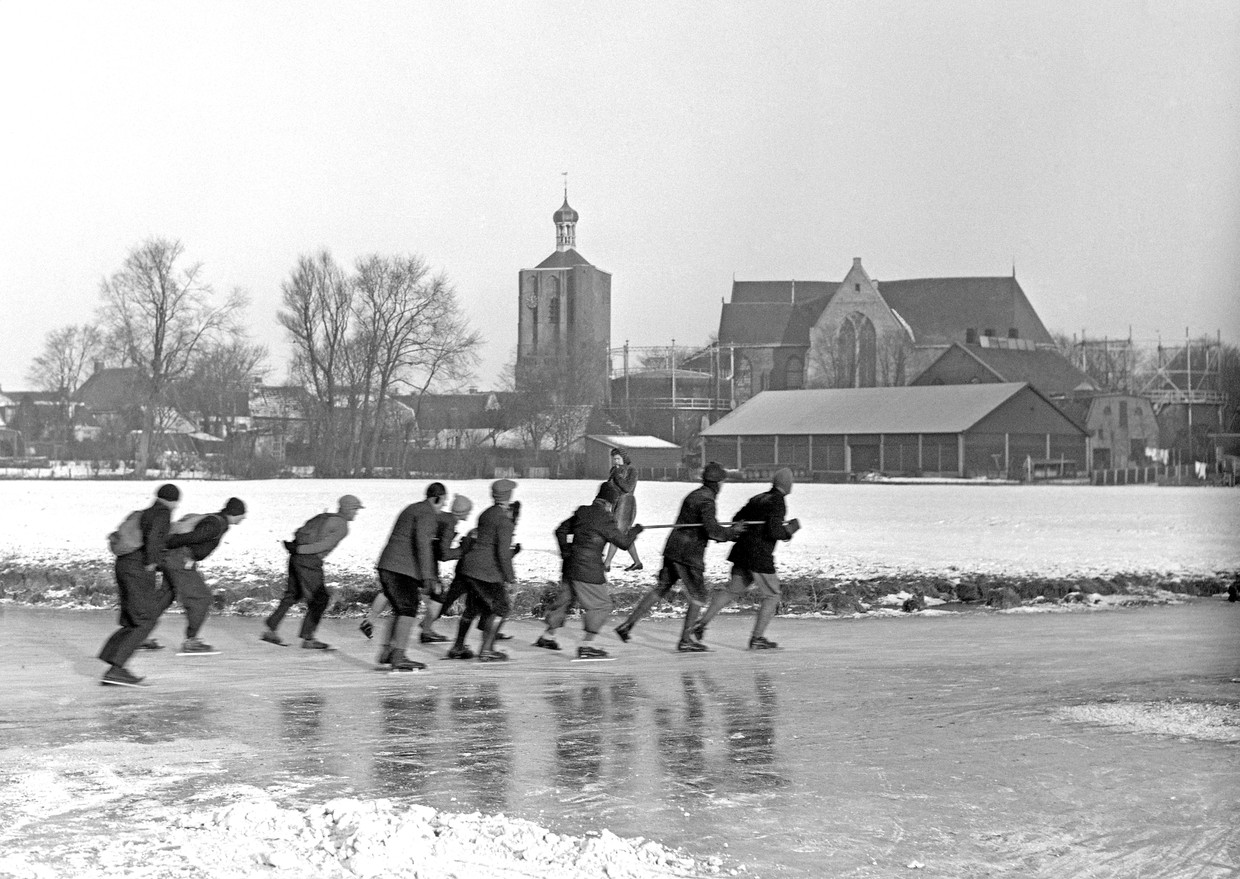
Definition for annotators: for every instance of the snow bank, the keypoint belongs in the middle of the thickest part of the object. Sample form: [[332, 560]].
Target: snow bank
[[130, 817]]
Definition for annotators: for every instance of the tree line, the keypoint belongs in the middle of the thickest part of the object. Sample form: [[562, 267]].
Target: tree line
[[359, 336]]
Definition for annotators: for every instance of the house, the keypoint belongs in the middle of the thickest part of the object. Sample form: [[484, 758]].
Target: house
[[1122, 427], [277, 417], [861, 333], [457, 421], [1003, 429], [1044, 368]]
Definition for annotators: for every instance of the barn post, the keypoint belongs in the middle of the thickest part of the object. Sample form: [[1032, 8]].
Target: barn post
[[1007, 451], [960, 455], [811, 454], [847, 455], [882, 449], [776, 461], [920, 466], [738, 451]]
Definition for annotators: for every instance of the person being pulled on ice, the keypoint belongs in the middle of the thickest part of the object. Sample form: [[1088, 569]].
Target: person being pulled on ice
[[753, 559], [624, 477]]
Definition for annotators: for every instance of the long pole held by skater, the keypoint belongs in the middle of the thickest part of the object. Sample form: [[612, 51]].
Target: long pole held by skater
[[700, 525]]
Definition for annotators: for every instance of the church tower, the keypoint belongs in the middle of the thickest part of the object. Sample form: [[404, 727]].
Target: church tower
[[564, 318]]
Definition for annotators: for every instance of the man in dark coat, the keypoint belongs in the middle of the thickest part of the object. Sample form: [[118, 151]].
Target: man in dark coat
[[623, 476], [753, 559], [486, 572], [142, 598], [305, 572], [582, 538], [406, 568], [185, 550], [684, 557]]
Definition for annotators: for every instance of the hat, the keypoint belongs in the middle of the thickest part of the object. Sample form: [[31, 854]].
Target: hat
[[461, 506], [234, 507], [168, 492], [608, 492], [501, 490], [783, 480], [713, 472], [350, 502]]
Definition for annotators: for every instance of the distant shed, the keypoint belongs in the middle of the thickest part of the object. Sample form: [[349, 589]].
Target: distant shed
[[647, 453], [939, 430]]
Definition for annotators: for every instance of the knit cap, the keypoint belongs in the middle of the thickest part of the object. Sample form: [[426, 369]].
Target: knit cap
[[783, 480], [502, 489], [234, 507], [168, 492], [461, 506]]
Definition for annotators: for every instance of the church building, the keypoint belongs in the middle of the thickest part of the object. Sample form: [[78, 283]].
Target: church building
[[564, 322]]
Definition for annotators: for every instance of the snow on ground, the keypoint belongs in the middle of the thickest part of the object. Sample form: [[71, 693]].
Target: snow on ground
[[849, 532], [115, 789]]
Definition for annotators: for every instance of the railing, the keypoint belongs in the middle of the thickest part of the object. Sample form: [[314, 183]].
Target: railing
[[1183, 397], [704, 403]]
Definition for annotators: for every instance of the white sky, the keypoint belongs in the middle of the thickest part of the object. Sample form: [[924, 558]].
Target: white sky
[[1096, 145]]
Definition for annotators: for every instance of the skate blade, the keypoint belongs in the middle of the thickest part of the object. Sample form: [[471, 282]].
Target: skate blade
[[594, 659], [202, 653], [139, 685]]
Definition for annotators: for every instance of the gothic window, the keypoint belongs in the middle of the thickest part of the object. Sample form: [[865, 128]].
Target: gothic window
[[857, 349], [794, 373], [743, 379], [553, 311]]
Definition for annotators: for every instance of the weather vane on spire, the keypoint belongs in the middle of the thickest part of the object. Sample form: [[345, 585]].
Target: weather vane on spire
[[564, 174]]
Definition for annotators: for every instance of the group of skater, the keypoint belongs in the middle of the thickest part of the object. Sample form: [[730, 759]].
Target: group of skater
[[150, 543]]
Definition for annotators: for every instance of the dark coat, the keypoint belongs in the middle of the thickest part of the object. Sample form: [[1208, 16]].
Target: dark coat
[[583, 537], [755, 548], [410, 549], [489, 558], [203, 539], [154, 523], [445, 533], [688, 545]]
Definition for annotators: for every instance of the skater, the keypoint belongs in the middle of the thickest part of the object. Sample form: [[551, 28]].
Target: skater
[[444, 552], [190, 540], [306, 551], [624, 477], [486, 570], [684, 557], [407, 568], [582, 537], [142, 597], [753, 559]]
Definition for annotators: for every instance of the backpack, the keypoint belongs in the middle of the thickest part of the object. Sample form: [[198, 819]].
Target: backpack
[[187, 523], [312, 531], [127, 537]]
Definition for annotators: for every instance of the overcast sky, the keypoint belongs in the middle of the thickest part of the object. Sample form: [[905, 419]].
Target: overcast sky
[[1095, 146]]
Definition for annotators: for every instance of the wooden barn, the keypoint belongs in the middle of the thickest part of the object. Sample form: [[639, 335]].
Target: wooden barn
[[1007, 430]]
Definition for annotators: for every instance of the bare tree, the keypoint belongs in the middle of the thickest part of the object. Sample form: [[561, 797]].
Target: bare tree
[[220, 380], [159, 315], [317, 310], [68, 355], [551, 405]]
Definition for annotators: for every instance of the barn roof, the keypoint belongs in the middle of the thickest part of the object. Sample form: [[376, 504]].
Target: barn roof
[[933, 409], [1044, 368], [632, 442]]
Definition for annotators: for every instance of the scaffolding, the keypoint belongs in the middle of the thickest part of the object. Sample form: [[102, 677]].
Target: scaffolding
[[1110, 362], [683, 367], [1187, 375]]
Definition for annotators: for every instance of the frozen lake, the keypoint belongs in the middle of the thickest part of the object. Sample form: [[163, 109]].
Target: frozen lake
[[852, 531], [863, 747]]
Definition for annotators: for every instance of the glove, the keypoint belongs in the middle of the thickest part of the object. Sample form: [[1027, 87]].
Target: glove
[[515, 506], [516, 548], [637, 529], [793, 526], [290, 546]]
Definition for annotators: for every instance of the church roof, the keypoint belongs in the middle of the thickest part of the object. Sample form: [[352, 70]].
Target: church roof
[[565, 214], [938, 309], [563, 259]]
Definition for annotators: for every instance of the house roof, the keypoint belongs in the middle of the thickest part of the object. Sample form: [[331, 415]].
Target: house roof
[[632, 442], [478, 411], [938, 309], [563, 259], [1044, 368], [112, 388], [928, 409]]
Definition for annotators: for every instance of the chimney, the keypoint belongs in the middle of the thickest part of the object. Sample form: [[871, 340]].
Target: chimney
[[98, 366], [473, 390], [857, 262]]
